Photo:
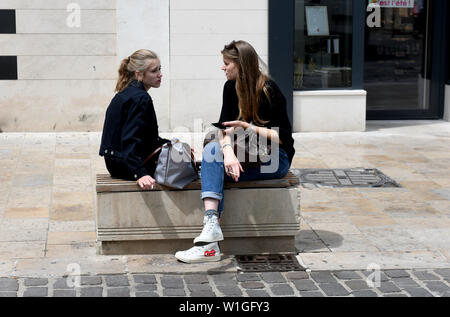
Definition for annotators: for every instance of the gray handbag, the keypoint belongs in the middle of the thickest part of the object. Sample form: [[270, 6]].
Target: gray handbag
[[176, 165]]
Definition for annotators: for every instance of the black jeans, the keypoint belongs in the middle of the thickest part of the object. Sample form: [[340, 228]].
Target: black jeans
[[118, 169]]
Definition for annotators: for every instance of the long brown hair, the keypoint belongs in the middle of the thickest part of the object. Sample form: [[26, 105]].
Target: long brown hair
[[250, 82], [138, 61]]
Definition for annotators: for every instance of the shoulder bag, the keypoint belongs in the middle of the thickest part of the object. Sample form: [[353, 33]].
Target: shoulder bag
[[176, 166]]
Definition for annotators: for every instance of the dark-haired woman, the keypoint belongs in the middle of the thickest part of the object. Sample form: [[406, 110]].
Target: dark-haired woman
[[251, 101], [130, 132]]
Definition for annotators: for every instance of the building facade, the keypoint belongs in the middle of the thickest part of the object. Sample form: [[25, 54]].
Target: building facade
[[339, 63], [359, 60]]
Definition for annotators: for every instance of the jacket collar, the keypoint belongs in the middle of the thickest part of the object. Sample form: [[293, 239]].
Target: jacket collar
[[137, 84]]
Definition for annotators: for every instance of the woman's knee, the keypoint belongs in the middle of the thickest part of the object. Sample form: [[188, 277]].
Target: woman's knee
[[282, 171]]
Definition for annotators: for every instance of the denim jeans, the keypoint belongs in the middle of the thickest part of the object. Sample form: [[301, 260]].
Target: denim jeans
[[213, 174]]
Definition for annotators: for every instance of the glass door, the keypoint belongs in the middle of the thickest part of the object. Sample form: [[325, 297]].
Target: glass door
[[398, 62]]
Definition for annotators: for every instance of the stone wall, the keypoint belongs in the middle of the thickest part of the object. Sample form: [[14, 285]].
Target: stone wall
[[65, 73], [199, 29]]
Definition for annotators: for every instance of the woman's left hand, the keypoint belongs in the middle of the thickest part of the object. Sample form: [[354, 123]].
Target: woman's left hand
[[146, 182], [233, 125]]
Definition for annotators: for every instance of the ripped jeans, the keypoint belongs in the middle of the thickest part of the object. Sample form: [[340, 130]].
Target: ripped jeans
[[213, 174]]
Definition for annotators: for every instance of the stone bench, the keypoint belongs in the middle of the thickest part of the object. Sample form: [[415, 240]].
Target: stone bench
[[259, 217]]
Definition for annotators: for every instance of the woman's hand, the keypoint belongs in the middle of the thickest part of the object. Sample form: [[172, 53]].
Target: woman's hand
[[261, 131], [146, 182], [233, 125], [233, 167]]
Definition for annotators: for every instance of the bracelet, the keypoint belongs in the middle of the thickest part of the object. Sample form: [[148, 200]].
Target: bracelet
[[227, 144]]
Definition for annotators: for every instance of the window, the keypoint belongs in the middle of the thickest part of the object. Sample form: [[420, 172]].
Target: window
[[7, 21], [397, 66], [323, 44], [8, 67]]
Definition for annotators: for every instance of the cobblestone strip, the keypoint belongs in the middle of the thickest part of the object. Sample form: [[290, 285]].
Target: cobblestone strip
[[388, 283], [226, 284]]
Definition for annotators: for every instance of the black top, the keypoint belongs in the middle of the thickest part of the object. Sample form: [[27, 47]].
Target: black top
[[130, 132], [274, 112]]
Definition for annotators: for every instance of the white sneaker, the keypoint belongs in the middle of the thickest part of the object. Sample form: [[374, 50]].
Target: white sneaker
[[211, 230], [197, 254]]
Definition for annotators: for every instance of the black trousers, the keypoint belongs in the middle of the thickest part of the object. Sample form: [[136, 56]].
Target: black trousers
[[118, 169]]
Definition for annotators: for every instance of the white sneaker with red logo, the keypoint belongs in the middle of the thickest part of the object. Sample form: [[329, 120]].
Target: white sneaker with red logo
[[198, 254]]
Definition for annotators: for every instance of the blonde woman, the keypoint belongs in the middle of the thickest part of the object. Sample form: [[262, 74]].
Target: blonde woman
[[130, 132], [251, 100]]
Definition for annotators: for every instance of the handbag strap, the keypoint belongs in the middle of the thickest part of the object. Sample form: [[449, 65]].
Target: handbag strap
[[194, 162], [192, 156], [151, 155]]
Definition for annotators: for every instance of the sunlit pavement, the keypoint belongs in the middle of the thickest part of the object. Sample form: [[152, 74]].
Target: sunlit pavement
[[47, 221]]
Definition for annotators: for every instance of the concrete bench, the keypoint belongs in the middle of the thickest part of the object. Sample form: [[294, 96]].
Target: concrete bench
[[259, 217]]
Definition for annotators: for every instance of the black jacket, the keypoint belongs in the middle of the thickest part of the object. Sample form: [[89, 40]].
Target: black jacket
[[130, 133], [273, 111]]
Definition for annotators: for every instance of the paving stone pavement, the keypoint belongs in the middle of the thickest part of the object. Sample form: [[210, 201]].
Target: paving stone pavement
[[389, 283], [47, 221]]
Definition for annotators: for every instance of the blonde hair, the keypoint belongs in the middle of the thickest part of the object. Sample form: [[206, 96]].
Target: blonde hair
[[138, 61], [251, 81]]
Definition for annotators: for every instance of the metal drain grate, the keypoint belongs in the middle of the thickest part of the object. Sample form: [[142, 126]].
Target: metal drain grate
[[353, 177], [268, 263]]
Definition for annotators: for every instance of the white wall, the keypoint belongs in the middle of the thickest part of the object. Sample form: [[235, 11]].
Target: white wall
[[199, 29], [65, 74], [329, 111], [144, 24], [188, 37]]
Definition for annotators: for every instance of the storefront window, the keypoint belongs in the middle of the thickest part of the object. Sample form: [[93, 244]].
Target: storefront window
[[323, 44], [397, 68]]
